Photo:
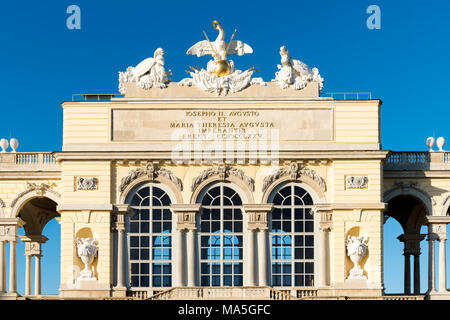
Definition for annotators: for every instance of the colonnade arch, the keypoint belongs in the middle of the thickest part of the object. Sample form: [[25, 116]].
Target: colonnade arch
[[31, 210], [409, 206]]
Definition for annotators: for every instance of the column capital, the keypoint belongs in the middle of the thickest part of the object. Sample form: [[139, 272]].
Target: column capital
[[33, 244], [121, 209], [118, 216], [8, 228], [186, 215], [325, 211], [257, 215]]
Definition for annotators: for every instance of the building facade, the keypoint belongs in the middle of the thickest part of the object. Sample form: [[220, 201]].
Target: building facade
[[222, 186]]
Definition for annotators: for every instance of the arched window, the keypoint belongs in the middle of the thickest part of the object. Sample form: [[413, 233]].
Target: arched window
[[221, 250], [292, 237], [150, 237]]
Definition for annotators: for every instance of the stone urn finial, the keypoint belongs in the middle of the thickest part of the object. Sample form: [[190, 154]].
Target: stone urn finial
[[430, 143], [87, 250], [4, 145], [356, 250]]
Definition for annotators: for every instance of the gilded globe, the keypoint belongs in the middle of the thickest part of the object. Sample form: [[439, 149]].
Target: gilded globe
[[223, 68]]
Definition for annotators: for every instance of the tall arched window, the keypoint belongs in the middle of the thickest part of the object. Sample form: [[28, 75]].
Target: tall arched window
[[221, 250], [292, 237], [150, 237]]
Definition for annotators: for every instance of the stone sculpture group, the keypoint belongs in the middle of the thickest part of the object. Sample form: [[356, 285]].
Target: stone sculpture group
[[221, 75]]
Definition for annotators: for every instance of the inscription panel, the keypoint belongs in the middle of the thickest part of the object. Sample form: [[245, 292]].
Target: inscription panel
[[138, 125]]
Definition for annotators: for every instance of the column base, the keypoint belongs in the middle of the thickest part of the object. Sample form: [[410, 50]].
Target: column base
[[85, 289], [436, 295], [9, 295], [119, 292]]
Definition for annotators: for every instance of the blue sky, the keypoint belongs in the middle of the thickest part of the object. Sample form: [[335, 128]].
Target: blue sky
[[405, 63]]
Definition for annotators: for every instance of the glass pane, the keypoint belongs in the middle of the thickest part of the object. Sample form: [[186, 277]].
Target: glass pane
[[145, 254], [145, 202], [237, 268], [167, 281], [167, 215], [144, 281], [135, 281], [157, 227], [165, 200], [205, 226], [238, 280], [145, 228], [214, 192], [205, 281], [134, 241], [156, 281], [145, 268], [286, 280], [215, 281], [157, 214], [307, 200], [228, 214], [134, 254], [144, 192], [204, 268], [276, 214], [134, 227], [144, 213]]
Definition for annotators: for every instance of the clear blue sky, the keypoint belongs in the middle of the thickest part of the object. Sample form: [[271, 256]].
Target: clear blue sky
[[405, 64]]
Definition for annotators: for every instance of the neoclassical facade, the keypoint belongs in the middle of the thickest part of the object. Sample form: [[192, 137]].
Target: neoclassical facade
[[222, 186]]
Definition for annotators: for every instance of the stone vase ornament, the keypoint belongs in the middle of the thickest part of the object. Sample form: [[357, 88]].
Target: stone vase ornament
[[356, 250], [87, 250], [440, 142], [430, 144], [4, 145], [14, 143]]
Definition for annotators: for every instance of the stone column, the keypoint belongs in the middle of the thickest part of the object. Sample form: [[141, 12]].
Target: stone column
[[120, 258], [417, 273], [191, 257], [407, 273], [250, 280], [258, 227], [27, 274], [442, 264], [33, 247], [186, 236], [12, 268], [2, 267], [119, 213], [411, 243], [179, 257], [262, 257], [37, 274], [431, 266], [325, 225], [8, 233]]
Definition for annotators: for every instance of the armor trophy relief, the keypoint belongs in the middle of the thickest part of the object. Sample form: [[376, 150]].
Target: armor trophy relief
[[220, 76]]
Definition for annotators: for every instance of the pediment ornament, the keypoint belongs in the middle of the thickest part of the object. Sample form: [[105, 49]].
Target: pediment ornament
[[294, 172], [223, 172], [151, 173]]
